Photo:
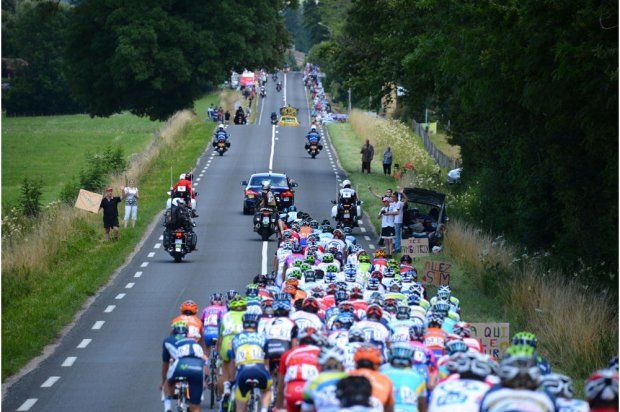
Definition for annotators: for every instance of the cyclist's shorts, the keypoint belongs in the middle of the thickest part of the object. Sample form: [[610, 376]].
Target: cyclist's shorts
[[294, 395], [226, 351], [210, 335], [192, 369], [256, 371]]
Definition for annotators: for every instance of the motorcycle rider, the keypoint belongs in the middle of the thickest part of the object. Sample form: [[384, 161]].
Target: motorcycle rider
[[220, 133], [269, 201], [274, 117], [313, 136], [180, 217], [183, 189]]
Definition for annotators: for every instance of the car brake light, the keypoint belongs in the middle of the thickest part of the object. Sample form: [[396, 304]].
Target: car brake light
[[251, 192], [287, 194]]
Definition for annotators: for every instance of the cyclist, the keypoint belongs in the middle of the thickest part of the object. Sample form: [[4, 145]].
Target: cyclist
[[409, 385], [248, 355], [307, 316], [211, 318], [367, 360], [561, 387], [399, 327], [372, 328], [187, 360], [230, 326], [463, 329], [435, 337], [354, 394], [320, 392], [189, 309], [602, 390], [279, 332], [529, 339]]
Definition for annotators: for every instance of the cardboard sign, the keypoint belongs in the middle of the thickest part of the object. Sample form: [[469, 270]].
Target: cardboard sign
[[415, 247], [88, 201], [436, 273], [494, 336]]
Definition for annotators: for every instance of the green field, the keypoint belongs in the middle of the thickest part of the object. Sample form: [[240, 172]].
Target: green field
[[53, 148]]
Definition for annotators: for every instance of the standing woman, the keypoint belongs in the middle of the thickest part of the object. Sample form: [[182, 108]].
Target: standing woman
[[130, 194], [387, 161]]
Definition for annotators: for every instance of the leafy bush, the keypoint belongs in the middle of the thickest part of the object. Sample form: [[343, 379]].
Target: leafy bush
[[30, 197]]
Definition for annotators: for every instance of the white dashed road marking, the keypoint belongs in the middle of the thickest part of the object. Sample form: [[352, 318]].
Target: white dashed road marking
[[27, 405], [161, 237], [371, 246], [110, 308], [50, 381], [157, 246], [144, 264], [363, 229], [98, 324], [367, 237], [137, 275], [129, 285], [69, 361], [120, 296], [84, 343], [151, 254]]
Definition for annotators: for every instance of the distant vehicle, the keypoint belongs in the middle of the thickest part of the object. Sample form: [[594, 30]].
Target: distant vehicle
[[281, 186], [289, 116], [425, 215], [454, 176], [234, 80]]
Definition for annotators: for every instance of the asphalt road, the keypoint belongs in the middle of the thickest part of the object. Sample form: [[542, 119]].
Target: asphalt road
[[111, 359]]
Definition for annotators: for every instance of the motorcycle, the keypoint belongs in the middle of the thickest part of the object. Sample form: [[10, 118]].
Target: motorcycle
[[179, 247], [265, 223], [221, 146], [346, 212], [279, 87], [313, 147], [274, 77], [274, 118], [263, 93]]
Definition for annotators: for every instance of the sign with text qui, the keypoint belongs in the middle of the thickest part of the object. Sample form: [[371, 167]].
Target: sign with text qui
[[88, 201], [436, 273], [494, 336], [415, 247]]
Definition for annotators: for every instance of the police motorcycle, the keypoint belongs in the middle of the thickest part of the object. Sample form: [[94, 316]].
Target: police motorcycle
[[347, 210], [220, 140], [313, 145], [274, 118]]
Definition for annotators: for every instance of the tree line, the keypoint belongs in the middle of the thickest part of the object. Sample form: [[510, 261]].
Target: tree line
[[530, 89], [152, 57]]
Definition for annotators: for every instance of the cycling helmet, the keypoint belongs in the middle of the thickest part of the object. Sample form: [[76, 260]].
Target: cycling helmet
[[373, 284], [346, 307], [350, 268], [350, 277], [310, 260], [341, 296], [295, 274], [413, 299], [377, 275], [231, 294], [327, 229], [338, 234], [310, 336], [343, 321], [368, 356], [298, 263], [392, 263], [310, 305], [250, 320], [394, 286], [380, 253], [435, 319], [417, 289], [519, 371], [374, 312], [216, 297], [318, 292], [281, 308], [286, 245], [331, 358], [389, 272], [356, 293], [456, 345], [251, 290], [314, 224], [403, 312], [305, 267], [602, 388], [406, 259], [287, 234], [463, 329], [260, 280], [471, 365], [363, 258], [325, 222], [331, 289], [331, 268], [189, 307], [417, 332], [525, 338], [328, 258], [271, 276], [330, 277], [297, 248], [375, 299], [558, 385], [401, 355], [356, 336], [238, 303], [180, 328], [406, 277], [443, 293]]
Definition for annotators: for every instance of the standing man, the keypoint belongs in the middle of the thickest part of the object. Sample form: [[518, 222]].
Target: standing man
[[387, 161], [399, 199], [387, 214], [110, 213], [367, 152]]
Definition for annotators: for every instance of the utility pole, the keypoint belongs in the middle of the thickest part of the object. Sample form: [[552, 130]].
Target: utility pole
[[349, 100], [426, 116]]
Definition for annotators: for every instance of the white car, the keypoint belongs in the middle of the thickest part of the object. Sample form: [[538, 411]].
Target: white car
[[454, 176]]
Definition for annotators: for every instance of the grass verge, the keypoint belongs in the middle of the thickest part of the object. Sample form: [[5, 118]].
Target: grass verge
[[38, 301], [441, 141]]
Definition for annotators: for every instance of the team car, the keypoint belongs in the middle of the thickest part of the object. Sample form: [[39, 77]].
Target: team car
[[288, 116], [281, 186]]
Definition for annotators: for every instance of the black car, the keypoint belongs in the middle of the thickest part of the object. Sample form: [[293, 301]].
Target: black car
[[281, 186], [425, 215]]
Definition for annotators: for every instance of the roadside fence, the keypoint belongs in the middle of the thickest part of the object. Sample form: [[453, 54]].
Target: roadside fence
[[444, 161]]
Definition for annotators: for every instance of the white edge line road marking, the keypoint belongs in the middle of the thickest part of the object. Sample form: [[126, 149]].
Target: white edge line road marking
[[151, 254], [198, 179], [120, 296], [137, 275], [273, 144], [264, 258], [27, 405], [98, 324], [50, 381], [129, 285], [262, 104], [69, 361], [144, 264], [284, 94], [157, 246], [84, 343], [308, 107], [109, 309]]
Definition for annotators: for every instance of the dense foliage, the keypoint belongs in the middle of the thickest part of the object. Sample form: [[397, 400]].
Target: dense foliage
[[530, 89]]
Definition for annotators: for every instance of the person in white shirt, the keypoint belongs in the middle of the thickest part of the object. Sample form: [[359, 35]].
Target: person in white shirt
[[399, 199], [130, 193], [387, 214]]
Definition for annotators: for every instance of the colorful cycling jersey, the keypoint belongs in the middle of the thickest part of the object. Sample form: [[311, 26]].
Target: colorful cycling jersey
[[373, 331], [474, 344], [448, 324], [409, 385], [211, 315], [364, 267], [571, 405], [305, 320], [300, 363], [399, 330], [339, 338], [175, 348], [232, 323], [290, 259], [500, 399], [435, 338], [382, 387], [458, 395], [248, 348], [320, 392], [398, 296], [278, 333], [194, 326]]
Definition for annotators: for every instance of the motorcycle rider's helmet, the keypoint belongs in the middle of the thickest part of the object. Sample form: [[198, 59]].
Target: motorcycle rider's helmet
[[182, 176], [266, 186], [313, 129], [220, 127], [346, 184]]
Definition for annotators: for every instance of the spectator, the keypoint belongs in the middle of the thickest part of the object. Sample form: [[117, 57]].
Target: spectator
[[220, 114], [387, 161], [368, 152], [130, 193], [387, 214], [399, 199], [388, 193], [110, 213], [227, 117]]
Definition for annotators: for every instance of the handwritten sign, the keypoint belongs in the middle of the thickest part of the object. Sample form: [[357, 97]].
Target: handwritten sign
[[436, 273], [88, 201], [494, 336], [415, 247]]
